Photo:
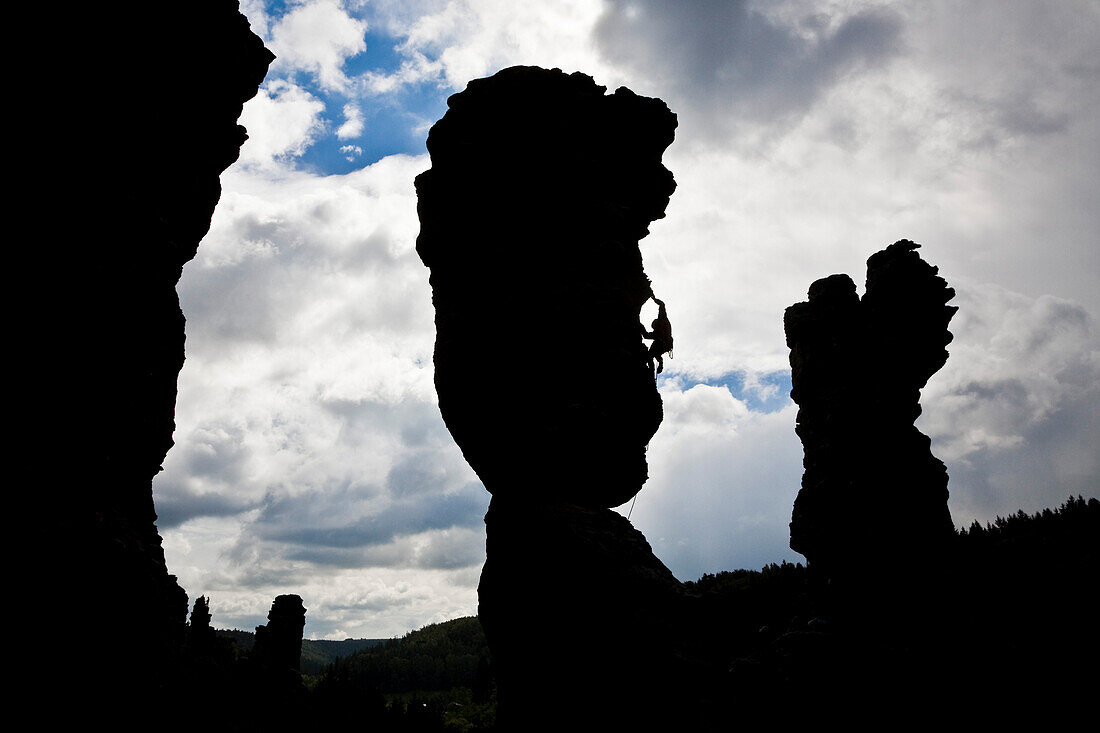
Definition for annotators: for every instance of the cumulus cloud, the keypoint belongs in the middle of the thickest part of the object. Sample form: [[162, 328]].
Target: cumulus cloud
[[212, 460], [317, 37], [286, 257], [353, 123], [282, 121], [351, 152], [1016, 411], [722, 483], [311, 457], [415, 68], [454, 41], [733, 64]]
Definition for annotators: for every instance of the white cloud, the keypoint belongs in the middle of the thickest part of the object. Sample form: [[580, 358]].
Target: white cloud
[[317, 37], [353, 123], [351, 152], [455, 41], [258, 19], [722, 483], [307, 431], [282, 121], [1015, 413]]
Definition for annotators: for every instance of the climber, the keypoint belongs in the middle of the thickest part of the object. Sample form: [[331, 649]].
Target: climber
[[661, 335]]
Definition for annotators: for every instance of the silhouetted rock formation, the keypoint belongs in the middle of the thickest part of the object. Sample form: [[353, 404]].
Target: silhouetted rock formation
[[157, 90], [541, 186], [583, 621], [200, 632], [279, 643], [872, 491], [277, 696]]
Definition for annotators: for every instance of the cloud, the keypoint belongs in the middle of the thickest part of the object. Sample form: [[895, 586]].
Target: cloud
[[286, 257], [282, 121], [317, 37], [353, 123], [351, 152], [1016, 411], [722, 483], [452, 548], [731, 63], [309, 449], [379, 596], [387, 604], [176, 505], [356, 516], [1026, 68], [450, 43], [207, 465]]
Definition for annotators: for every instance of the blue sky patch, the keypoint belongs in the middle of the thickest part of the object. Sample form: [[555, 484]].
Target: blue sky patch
[[395, 122], [769, 393], [381, 55]]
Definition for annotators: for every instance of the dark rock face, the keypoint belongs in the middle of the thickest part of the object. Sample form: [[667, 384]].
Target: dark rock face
[[158, 91], [541, 186], [871, 488], [273, 684], [582, 620], [279, 643], [201, 618]]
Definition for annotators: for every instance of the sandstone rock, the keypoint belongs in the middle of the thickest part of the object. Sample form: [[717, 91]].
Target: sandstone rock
[[583, 621], [872, 492], [150, 106], [541, 186], [279, 642]]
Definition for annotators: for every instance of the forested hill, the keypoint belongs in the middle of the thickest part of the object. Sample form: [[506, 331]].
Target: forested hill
[[433, 679], [436, 657], [1017, 592], [316, 655]]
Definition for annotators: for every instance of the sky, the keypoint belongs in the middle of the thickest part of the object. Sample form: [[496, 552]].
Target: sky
[[310, 455]]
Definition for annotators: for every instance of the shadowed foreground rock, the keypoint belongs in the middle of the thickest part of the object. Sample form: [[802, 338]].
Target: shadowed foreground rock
[[541, 186], [157, 91], [872, 493]]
